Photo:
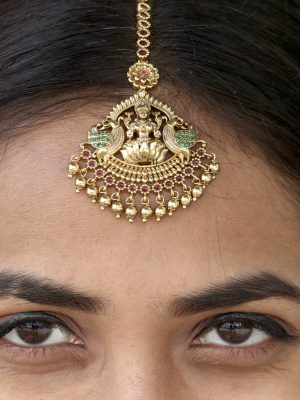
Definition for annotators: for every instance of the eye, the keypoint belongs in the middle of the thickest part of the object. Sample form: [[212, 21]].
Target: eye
[[35, 329], [234, 333], [240, 329]]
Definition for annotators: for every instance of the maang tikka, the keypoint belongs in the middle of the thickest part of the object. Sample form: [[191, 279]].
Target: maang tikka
[[143, 159]]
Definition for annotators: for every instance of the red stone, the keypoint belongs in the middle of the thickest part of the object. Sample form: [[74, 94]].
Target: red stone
[[188, 171], [196, 162], [145, 189], [109, 180], [143, 33], [157, 187], [168, 184], [92, 164], [200, 152], [100, 173], [86, 154], [132, 188], [179, 178], [142, 53], [120, 185]]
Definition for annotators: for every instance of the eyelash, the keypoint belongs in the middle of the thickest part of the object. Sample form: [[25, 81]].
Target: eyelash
[[261, 322], [20, 319], [235, 354], [50, 321]]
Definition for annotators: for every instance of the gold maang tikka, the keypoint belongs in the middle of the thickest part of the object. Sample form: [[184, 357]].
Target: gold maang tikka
[[143, 159]]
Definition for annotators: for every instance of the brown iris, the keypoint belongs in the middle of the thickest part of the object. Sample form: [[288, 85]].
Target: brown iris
[[235, 332], [34, 332]]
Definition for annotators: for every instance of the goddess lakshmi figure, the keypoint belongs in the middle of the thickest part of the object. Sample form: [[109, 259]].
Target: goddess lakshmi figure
[[143, 134]]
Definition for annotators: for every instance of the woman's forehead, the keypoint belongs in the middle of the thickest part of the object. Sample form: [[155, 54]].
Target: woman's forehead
[[243, 224]]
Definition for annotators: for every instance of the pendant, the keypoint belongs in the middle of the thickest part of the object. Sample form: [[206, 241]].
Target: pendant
[[143, 160]]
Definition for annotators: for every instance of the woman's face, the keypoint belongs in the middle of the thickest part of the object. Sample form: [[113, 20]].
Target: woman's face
[[202, 305]]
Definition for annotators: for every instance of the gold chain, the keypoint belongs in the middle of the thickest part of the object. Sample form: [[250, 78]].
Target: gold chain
[[142, 74], [143, 30]]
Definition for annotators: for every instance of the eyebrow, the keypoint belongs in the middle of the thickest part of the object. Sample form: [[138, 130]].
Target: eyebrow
[[234, 292], [39, 290]]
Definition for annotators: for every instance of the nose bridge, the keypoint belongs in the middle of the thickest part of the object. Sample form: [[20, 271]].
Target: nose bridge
[[136, 369]]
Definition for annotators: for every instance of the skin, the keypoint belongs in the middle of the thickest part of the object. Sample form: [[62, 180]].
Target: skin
[[244, 224]]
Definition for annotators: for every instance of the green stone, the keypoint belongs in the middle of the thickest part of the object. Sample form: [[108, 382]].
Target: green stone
[[186, 138], [99, 139]]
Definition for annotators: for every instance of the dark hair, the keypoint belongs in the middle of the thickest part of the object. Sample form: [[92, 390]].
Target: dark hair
[[240, 58]]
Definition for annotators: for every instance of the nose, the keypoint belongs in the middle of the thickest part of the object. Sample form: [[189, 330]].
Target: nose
[[134, 372]]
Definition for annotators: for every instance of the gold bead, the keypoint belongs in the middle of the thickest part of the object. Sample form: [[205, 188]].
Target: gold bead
[[197, 192], [160, 212], [131, 212], [146, 213], [117, 208], [186, 200], [104, 201], [206, 177], [214, 167], [172, 205], [92, 192], [73, 169], [80, 184]]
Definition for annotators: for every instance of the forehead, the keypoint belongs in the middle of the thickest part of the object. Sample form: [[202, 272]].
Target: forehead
[[243, 223]]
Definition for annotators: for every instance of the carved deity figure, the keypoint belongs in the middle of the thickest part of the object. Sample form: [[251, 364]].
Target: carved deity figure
[[143, 134]]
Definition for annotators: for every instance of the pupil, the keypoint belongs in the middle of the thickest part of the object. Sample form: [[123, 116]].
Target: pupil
[[34, 332], [235, 332]]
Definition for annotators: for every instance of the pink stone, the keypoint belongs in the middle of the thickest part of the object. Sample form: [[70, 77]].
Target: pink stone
[[121, 185], [168, 184], [145, 189], [109, 180], [132, 188], [86, 153], [200, 152], [188, 171], [100, 173], [179, 178], [196, 162], [144, 73], [157, 187], [92, 164]]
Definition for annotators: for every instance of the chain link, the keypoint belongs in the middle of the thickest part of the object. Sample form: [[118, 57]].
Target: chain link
[[143, 30]]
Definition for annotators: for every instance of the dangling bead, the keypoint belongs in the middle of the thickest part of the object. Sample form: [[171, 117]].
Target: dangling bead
[[160, 212], [146, 213], [197, 192], [104, 201], [92, 192], [131, 212], [117, 208], [80, 184], [186, 200], [73, 169], [172, 205]]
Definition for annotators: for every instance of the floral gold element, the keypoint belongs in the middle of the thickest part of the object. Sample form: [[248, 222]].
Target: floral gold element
[[143, 75]]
